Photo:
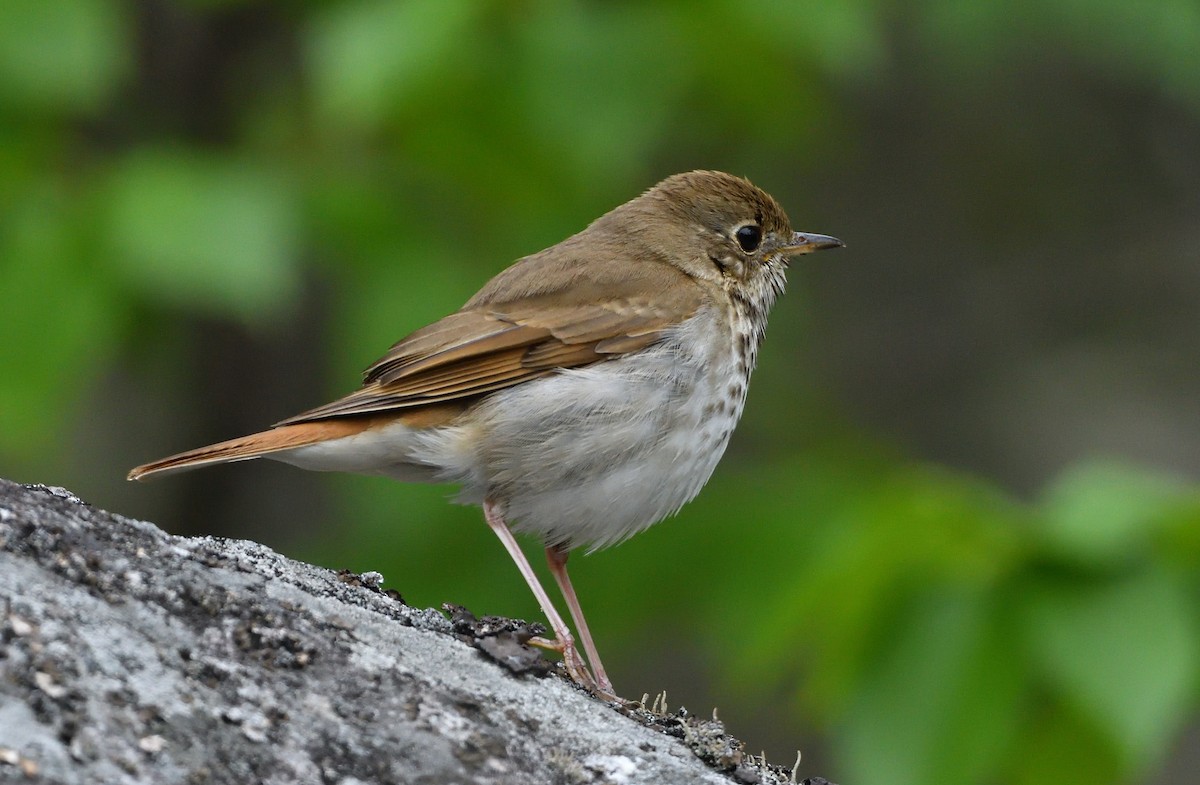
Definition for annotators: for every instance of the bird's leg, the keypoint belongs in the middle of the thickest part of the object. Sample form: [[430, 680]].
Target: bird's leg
[[565, 643], [556, 556]]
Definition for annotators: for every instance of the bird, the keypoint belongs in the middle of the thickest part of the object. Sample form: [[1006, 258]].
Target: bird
[[585, 393]]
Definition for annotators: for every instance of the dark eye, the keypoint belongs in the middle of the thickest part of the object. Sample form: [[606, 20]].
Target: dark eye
[[749, 236]]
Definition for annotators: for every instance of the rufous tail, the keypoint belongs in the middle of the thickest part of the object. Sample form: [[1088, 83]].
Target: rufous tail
[[255, 445]]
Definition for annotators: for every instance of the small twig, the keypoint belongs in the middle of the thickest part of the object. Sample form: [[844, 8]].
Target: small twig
[[796, 768]]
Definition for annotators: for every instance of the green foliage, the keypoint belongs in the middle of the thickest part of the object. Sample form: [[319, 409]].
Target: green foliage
[[944, 631], [373, 59], [947, 668], [1104, 516], [61, 56], [203, 232], [60, 318], [1142, 649], [398, 153]]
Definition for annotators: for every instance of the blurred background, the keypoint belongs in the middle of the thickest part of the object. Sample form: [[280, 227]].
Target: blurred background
[[956, 538]]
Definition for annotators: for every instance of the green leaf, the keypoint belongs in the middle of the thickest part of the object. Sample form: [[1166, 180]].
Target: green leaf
[[880, 537], [1102, 514], [1125, 652], [60, 55], [582, 79], [204, 232], [845, 36], [1059, 747], [369, 57], [59, 321], [942, 702]]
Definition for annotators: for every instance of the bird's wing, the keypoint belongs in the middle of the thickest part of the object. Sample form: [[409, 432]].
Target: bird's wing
[[489, 347]]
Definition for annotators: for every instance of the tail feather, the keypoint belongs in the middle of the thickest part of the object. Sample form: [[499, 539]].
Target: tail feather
[[255, 445]]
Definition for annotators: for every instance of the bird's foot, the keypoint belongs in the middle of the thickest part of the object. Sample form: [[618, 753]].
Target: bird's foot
[[577, 669]]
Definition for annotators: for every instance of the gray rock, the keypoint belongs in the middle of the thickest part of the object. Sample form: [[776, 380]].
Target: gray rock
[[131, 656]]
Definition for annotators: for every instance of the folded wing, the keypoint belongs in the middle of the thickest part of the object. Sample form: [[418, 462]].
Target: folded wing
[[488, 348]]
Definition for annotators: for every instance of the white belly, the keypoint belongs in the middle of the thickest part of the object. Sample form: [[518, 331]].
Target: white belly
[[587, 456], [591, 456]]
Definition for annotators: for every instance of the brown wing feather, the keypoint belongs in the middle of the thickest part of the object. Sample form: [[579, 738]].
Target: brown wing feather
[[553, 354], [493, 344], [460, 336]]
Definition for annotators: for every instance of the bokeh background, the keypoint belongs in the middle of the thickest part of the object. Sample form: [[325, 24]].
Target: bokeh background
[[956, 538]]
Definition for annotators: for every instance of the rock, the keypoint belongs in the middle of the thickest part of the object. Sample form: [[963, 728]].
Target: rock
[[131, 656]]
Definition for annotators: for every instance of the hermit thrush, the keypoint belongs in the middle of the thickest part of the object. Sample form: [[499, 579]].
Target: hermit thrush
[[584, 394]]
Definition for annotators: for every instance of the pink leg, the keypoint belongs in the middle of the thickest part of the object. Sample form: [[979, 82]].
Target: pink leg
[[557, 558], [566, 644]]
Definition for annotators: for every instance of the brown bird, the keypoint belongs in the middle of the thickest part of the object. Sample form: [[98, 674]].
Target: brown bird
[[584, 394]]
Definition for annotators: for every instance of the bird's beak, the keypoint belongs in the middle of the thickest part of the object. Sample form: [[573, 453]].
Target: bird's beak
[[806, 242]]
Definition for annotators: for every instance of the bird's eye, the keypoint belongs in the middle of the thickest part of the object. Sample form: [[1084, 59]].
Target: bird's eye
[[748, 237]]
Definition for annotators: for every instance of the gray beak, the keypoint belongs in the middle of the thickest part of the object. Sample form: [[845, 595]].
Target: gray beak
[[807, 242]]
